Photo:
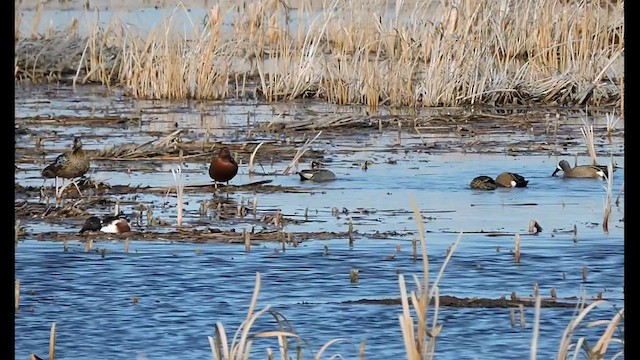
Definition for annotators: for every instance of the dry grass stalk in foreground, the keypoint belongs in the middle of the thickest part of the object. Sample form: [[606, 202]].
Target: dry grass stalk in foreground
[[599, 350], [420, 343], [240, 346], [421, 54], [607, 199]]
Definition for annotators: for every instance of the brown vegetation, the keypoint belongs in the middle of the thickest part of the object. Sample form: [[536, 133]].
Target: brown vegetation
[[358, 52]]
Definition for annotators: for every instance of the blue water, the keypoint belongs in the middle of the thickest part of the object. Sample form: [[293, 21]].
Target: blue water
[[183, 289]]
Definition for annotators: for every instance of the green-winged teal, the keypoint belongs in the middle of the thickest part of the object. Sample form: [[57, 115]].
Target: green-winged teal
[[108, 224], [483, 183], [68, 165], [581, 171], [509, 179], [316, 173], [223, 167]]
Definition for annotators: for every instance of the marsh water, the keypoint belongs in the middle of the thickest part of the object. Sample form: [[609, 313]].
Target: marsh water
[[162, 298]]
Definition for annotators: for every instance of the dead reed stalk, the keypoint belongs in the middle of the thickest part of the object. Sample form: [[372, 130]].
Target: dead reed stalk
[[420, 342], [17, 294], [587, 134], [242, 341], [252, 157], [178, 180], [516, 255], [536, 329], [299, 153], [52, 342], [607, 199], [568, 346]]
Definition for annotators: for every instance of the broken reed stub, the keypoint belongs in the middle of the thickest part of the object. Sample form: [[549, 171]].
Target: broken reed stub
[[534, 227]]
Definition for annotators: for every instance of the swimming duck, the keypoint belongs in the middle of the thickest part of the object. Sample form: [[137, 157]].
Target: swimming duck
[[223, 167], [581, 171], [483, 182], [509, 179], [108, 224], [316, 173], [68, 165]]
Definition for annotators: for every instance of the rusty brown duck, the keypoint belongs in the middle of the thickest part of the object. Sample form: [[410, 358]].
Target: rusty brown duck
[[223, 167], [68, 165]]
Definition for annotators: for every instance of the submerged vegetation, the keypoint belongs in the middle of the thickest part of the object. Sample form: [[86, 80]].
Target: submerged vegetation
[[359, 52]]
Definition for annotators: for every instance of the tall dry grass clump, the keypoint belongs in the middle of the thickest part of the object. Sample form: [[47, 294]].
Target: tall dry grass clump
[[373, 52], [419, 336], [613, 333]]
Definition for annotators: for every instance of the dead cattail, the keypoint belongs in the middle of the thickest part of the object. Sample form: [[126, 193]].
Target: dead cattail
[[536, 289], [516, 256], [126, 245], [52, 342], [135, 299], [177, 178], [350, 233], [523, 323], [65, 246], [354, 275], [414, 245], [584, 273], [255, 207], [325, 252], [103, 252], [534, 227], [512, 317], [398, 248], [247, 240], [306, 214], [88, 244], [607, 199], [575, 233], [17, 294], [553, 293]]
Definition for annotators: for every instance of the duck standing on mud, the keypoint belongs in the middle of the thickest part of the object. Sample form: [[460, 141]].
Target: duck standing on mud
[[108, 224], [223, 167], [68, 165]]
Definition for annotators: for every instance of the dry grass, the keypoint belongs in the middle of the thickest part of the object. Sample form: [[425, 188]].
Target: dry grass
[[357, 52], [607, 199], [597, 351], [420, 341]]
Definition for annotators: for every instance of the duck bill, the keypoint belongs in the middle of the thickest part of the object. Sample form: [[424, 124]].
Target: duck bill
[[555, 172]]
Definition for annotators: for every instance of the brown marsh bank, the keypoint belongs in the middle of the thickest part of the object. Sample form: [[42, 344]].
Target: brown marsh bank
[[533, 270]]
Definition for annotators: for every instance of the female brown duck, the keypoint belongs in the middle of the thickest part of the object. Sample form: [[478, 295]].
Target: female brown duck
[[68, 165]]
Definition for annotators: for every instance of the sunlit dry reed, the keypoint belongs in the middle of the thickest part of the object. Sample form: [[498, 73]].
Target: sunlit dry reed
[[356, 52], [17, 294], [570, 349], [420, 341], [178, 180], [242, 342], [607, 199], [587, 134], [516, 254], [52, 342]]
